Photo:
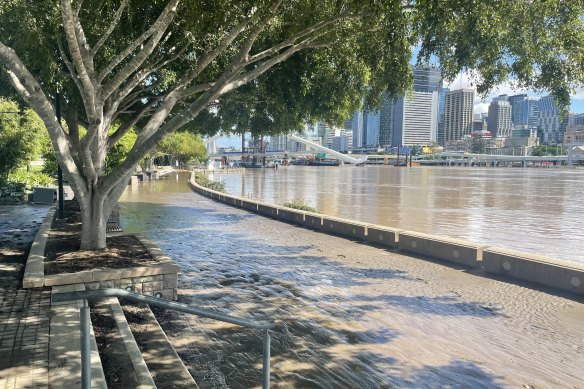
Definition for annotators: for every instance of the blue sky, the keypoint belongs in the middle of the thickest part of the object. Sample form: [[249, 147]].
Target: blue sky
[[482, 105]]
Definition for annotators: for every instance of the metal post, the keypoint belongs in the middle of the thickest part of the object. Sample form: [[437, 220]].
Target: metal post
[[61, 192], [85, 347], [266, 367], [59, 171]]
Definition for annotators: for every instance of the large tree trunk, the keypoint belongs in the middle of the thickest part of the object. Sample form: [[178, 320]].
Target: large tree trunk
[[93, 221]]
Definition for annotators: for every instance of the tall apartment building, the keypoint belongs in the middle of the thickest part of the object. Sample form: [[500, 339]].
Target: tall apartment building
[[517, 103], [499, 119], [407, 118], [357, 129], [441, 101], [524, 110], [385, 122], [278, 143], [340, 143], [551, 126], [458, 113], [373, 121], [415, 119]]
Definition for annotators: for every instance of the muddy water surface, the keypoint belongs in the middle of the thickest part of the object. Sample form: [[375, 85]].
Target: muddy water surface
[[350, 315], [535, 210]]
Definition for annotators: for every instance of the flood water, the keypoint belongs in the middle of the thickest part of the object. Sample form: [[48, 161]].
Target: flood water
[[532, 210], [349, 315]]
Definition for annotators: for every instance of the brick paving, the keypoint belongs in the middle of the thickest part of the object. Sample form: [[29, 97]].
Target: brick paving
[[24, 313]]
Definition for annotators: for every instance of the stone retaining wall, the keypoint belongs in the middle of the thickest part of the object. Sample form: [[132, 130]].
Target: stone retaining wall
[[550, 272], [160, 279]]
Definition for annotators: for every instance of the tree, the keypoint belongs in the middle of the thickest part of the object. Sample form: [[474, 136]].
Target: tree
[[478, 145], [162, 65], [21, 135], [182, 147]]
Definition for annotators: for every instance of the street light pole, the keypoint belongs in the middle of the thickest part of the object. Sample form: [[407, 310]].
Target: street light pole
[[59, 170]]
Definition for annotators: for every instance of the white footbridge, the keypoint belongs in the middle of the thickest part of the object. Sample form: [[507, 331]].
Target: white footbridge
[[343, 157]]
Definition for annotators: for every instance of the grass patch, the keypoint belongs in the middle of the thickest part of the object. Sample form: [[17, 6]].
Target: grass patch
[[300, 205], [202, 180]]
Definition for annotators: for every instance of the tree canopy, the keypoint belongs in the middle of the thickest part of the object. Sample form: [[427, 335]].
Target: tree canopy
[[21, 137], [182, 147], [158, 66]]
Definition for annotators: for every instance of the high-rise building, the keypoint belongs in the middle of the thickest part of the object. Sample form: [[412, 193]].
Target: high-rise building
[[340, 143], [479, 123], [551, 126], [524, 110], [517, 105], [576, 119], [499, 119], [357, 129], [415, 120], [278, 143], [378, 128], [458, 113], [441, 101], [385, 122], [371, 128], [427, 78]]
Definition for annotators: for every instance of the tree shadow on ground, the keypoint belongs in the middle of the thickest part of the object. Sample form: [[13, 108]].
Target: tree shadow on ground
[[439, 305], [308, 353], [320, 342]]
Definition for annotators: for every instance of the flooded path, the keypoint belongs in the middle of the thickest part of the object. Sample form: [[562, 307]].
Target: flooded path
[[353, 316]]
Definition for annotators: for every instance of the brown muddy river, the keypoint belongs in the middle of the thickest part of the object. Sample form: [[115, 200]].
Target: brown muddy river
[[533, 210], [349, 315]]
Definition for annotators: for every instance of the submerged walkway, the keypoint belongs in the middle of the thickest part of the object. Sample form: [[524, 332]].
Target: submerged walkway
[[354, 316]]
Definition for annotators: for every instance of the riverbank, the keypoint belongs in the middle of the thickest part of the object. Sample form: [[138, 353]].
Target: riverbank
[[353, 315]]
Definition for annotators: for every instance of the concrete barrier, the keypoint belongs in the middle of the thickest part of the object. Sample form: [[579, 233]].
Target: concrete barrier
[[348, 228], [268, 210], [250, 205], [555, 273], [313, 220], [384, 236], [562, 275], [453, 250], [291, 215]]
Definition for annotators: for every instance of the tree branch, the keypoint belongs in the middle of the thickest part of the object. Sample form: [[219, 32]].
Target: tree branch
[[210, 57], [292, 40], [118, 98], [114, 23], [127, 126], [263, 67], [69, 65], [157, 28], [196, 89], [88, 92]]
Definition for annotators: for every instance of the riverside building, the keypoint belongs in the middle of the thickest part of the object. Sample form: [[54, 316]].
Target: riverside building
[[458, 113]]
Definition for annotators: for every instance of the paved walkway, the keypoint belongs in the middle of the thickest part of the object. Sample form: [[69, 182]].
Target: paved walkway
[[24, 314]]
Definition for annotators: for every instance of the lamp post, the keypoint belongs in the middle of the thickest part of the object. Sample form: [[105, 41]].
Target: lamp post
[[59, 170]]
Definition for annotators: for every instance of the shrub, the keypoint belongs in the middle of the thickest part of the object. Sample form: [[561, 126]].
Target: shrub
[[202, 180], [301, 205], [29, 179]]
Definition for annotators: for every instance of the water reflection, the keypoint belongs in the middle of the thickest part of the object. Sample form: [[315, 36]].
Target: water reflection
[[531, 210]]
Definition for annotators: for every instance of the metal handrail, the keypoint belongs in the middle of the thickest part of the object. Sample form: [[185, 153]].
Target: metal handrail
[[159, 302]]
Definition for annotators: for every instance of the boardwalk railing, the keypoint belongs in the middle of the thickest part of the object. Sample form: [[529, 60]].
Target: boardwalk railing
[[158, 302]]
